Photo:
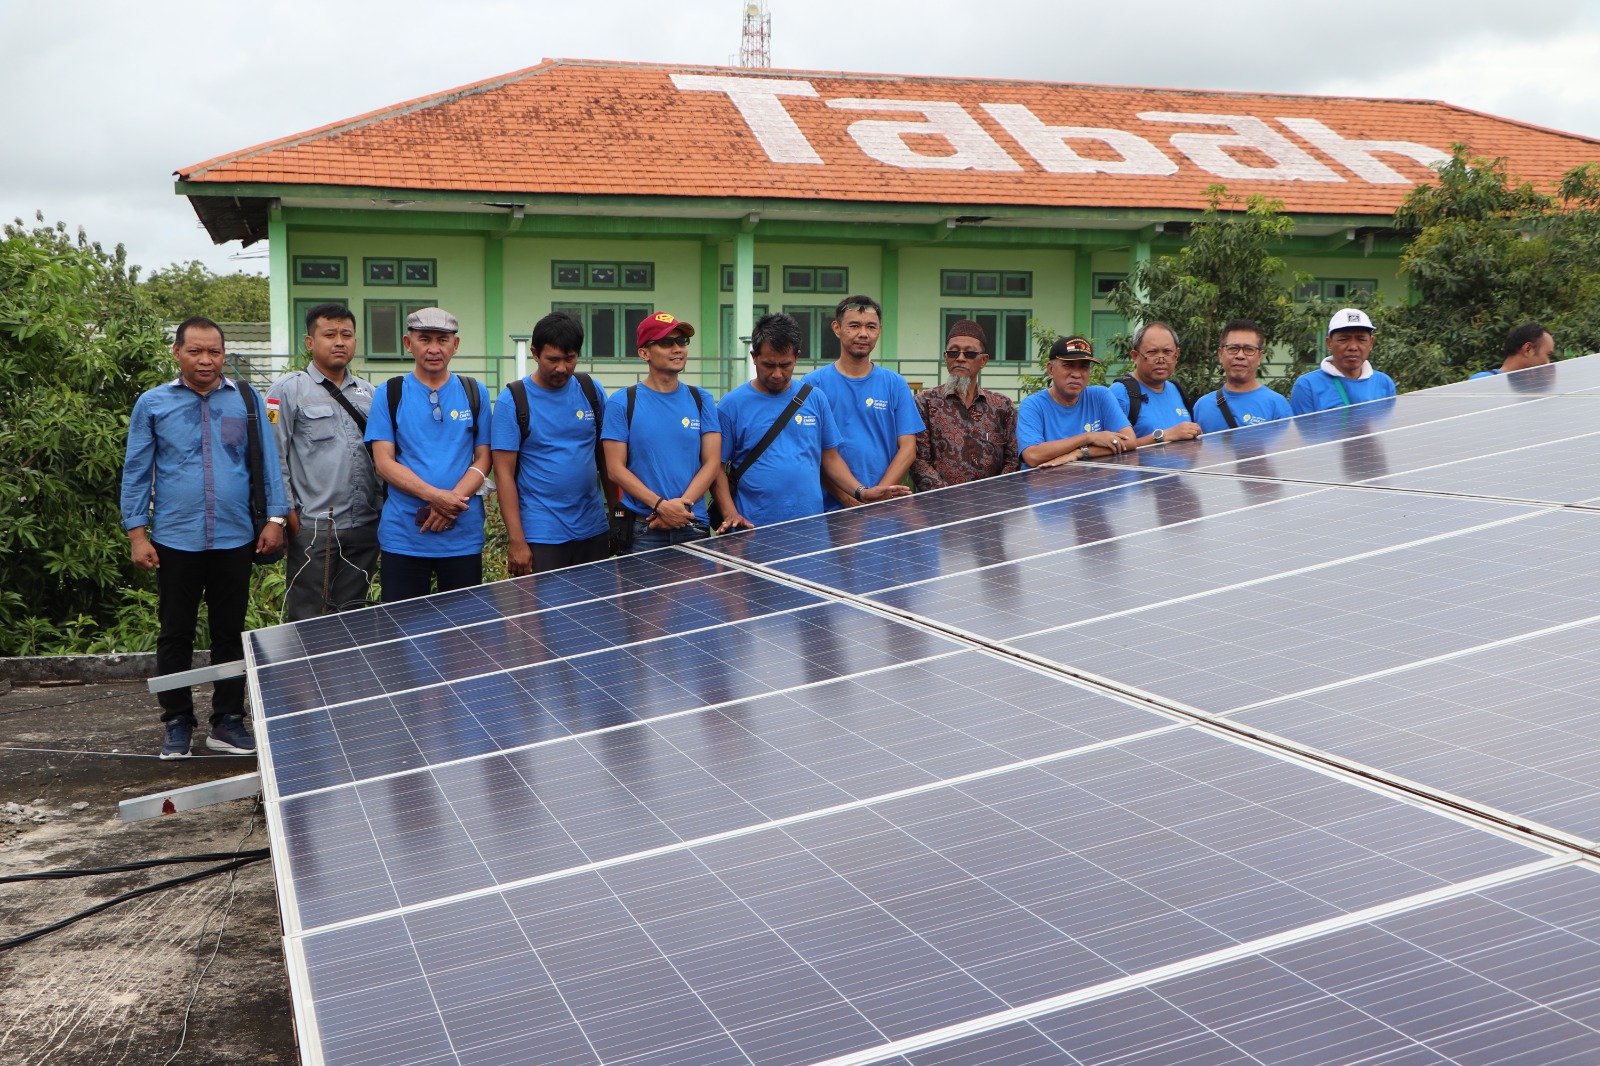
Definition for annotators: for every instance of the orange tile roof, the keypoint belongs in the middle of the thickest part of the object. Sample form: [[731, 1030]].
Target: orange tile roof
[[568, 127]]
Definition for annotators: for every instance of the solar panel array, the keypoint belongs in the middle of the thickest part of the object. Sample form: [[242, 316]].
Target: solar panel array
[[1274, 746]]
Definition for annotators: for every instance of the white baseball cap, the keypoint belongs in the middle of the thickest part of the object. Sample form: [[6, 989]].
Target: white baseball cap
[[1350, 318]]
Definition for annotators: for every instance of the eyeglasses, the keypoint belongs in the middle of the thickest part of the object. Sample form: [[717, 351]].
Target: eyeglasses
[[1160, 353], [673, 340], [1240, 349], [433, 398], [957, 353]]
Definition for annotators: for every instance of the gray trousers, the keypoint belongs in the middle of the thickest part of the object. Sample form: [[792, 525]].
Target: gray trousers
[[329, 569]]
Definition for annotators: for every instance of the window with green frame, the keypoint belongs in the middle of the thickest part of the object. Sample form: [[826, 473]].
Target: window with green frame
[[386, 324], [1337, 288], [1009, 283], [1007, 329], [762, 276], [816, 279], [297, 328], [819, 342], [417, 272], [319, 270], [570, 274], [1106, 284], [608, 329]]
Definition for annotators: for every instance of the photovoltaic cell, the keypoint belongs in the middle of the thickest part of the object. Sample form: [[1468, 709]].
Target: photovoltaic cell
[[1516, 726], [1082, 520], [481, 603], [509, 709], [1559, 471], [983, 499], [1292, 634], [468, 825], [506, 643], [1510, 974], [841, 933], [1262, 535]]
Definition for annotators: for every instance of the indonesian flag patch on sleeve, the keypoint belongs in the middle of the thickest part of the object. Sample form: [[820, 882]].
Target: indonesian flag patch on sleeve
[[272, 409]]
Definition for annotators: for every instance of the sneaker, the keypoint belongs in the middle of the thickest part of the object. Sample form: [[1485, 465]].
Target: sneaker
[[227, 734], [176, 744]]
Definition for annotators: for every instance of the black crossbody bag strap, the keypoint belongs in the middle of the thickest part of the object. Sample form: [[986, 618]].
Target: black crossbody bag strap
[[338, 394], [258, 488], [1225, 411], [586, 383], [762, 445]]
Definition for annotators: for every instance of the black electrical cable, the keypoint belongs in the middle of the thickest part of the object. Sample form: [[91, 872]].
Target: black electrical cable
[[129, 867], [126, 896]]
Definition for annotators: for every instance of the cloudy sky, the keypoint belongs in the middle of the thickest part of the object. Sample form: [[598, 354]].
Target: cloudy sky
[[105, 100]]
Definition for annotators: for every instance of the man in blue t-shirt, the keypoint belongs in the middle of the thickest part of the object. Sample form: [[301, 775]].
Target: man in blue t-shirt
[[1162, 413], [782, 482], [1072, 419], [872, 406], [551, 498], [435, 457], [662, 445], [1529, 344], [1242, 400], [1345, 377]]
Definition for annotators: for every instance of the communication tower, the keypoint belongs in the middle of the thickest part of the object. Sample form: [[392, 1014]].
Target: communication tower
[[755, 48]]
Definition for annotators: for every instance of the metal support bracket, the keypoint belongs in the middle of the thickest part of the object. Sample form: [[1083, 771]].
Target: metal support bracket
[[216, 672], [190, 797]]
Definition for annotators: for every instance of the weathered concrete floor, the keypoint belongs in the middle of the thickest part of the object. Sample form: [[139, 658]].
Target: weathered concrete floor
[[113, 988]]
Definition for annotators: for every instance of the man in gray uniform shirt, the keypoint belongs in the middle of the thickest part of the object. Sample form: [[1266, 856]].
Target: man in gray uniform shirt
[[320, 417]]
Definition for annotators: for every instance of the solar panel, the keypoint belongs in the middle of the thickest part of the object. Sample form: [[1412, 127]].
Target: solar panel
[[1273, 746]]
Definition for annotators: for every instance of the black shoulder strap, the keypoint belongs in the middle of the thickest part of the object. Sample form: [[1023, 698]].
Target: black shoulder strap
[[1182, 397], [699, 408], [776, 428], [1130, 384], [393, 387], [519, 398], [474, 399], [258, 488], [633, 393], [338, 394], [1225, 411], [590, 393]]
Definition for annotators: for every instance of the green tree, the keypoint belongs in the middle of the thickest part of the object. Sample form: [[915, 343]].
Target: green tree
[[1491, 252], [185, 289], [77, 345], [1225, 270]]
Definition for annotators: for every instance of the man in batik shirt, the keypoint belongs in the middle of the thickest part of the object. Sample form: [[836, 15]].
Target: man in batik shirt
[[970, 432]]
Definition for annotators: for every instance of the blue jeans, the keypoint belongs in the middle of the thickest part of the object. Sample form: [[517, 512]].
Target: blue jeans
[[645, 538]]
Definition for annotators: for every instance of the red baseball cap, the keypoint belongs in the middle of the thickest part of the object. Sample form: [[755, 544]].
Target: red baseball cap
[[661, 325]]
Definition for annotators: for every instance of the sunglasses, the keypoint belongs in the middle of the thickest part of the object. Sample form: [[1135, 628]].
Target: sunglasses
[[956, 353], [433, 398], [673, 340]]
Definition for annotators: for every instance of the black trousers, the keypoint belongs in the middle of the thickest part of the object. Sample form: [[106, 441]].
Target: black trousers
[[222, 577], [406, 577], [548, 557]]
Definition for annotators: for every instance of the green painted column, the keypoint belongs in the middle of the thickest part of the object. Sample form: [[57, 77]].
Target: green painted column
[[709, 339], [282, 308], [1082, 292], [494, 306], [744, 301], [889, 343]]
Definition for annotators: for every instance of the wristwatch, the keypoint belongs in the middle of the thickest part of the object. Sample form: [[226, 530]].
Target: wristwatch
[[278, 521], [858, 491], [1159, 435]]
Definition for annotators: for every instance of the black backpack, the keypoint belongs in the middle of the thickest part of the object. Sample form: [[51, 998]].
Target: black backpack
[[1136, 396], [519, 398], [395, 384]]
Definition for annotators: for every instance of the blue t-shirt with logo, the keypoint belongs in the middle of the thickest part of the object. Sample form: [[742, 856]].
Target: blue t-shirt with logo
[[1322, 391], [437, 451], [664, 440], [1249, 408], [871, 414], [1041, 418], [784, 482], [1159, 410], [558, 488]]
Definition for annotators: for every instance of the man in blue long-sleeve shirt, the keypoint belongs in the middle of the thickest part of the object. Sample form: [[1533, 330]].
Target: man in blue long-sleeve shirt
[[187, 451]]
